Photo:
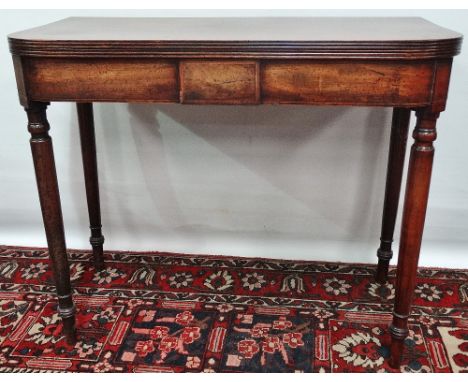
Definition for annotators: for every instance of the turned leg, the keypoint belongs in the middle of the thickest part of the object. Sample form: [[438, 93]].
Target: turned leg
[[46, 177], [88, 150], [396, 160], [417, 192]]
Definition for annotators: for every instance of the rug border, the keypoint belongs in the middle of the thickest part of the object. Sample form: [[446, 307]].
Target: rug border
[[182, 254]]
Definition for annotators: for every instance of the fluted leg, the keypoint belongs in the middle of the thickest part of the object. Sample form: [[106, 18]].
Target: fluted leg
[[88, 150], [417, 192], [396, 160], [46, 177]]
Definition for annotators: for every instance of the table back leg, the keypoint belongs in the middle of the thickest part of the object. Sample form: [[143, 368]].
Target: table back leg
[[88, 150], [46, 177], [417, 192], [396, 160]]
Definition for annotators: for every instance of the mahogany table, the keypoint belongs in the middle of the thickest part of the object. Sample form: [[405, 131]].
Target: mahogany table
[[402, 63]]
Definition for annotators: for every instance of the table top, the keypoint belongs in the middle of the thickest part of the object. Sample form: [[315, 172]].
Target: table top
[[302, 37]]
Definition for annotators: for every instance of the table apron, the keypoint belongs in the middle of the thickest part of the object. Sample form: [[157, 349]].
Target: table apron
[[201, 81]]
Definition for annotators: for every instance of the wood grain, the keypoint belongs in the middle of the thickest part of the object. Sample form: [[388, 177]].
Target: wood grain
[[219, 82], [441, 83], [322, 82], [347, 83], [129, 80]]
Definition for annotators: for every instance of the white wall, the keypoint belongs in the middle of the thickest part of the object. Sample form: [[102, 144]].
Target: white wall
[[287, 182]]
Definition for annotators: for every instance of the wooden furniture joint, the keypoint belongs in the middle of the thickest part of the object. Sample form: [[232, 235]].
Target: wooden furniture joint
[[403, 63]]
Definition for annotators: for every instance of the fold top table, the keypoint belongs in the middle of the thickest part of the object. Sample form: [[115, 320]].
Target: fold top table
[[404, 63], [392, 38]]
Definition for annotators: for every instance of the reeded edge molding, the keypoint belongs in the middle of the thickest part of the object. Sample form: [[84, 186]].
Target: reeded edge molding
[[423, 49]]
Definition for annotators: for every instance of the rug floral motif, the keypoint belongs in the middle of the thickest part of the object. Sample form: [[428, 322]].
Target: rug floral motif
[[160, 312]]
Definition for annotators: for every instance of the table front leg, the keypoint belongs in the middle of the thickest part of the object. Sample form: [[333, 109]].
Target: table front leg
[[88, 151], [46, 177], [417, 192], [396, 161]]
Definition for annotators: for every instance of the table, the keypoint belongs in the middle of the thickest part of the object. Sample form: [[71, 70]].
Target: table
[[403, 63]]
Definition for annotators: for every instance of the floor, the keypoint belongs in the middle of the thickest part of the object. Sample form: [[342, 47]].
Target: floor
[[190, 313]]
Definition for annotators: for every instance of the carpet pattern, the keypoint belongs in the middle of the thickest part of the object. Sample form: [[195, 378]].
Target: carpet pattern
[[158, 312]]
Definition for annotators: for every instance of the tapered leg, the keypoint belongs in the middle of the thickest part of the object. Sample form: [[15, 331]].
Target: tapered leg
[[88, 150], [417, 192], [46, 177], [396, 160]]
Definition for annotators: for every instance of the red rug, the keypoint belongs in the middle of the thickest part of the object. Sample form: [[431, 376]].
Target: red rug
[[183, 313]]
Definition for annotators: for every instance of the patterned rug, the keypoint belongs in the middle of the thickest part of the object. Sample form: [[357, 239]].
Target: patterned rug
[[148, 312]]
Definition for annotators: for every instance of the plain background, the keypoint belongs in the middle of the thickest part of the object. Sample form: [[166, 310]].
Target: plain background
[[287, 182]]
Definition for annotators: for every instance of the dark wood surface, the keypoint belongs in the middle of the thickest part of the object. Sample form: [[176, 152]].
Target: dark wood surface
[[396, 161], [216, 81], [347, 82], [406, 38], [220, 81], [404, 63], [412, 226], [88, 153], [49, 197], [115, 80]]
